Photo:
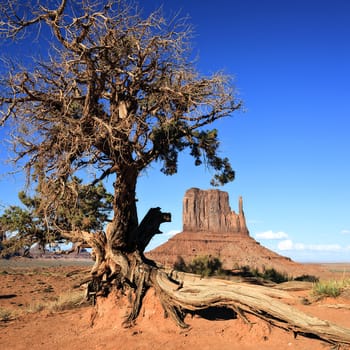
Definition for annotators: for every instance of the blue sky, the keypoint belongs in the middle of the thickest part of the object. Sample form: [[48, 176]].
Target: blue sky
[[290, 148]]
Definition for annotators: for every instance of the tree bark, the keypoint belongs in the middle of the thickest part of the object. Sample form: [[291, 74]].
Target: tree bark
[[120, 232]]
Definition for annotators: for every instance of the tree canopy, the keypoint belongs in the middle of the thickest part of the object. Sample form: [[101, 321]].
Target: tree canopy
[[117, 90]]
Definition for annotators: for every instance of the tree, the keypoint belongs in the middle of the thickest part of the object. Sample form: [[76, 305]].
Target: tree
[[117, 92], [25, 226]]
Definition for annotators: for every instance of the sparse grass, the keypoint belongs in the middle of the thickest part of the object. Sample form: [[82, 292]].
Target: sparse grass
[[65, 301], [34, 308], [332, 288], [6, 315]]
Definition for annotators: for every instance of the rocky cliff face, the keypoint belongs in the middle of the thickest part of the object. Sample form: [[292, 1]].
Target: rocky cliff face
[[210, 228], [209, 211]]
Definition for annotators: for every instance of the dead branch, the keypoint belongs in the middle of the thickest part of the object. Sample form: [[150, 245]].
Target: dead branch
[[149, 227]]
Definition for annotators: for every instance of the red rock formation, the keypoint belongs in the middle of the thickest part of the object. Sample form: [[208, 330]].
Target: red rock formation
[[210, 228], [209, 211]]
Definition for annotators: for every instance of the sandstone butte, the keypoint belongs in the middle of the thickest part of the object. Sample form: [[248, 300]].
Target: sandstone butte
[[211, 228]]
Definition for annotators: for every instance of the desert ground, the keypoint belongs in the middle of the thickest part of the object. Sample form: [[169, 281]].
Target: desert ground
[[41, 308]]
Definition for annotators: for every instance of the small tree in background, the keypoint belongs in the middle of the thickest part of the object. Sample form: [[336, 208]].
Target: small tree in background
[[25, 226]]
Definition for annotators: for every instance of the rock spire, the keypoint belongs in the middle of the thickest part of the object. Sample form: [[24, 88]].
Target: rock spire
[[209, 211]]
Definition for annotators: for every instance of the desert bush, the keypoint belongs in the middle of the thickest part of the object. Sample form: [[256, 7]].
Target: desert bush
[[269, 274], [65, 301], [35, 307], [211, 266], [273, 275], [330, 288], [6, 315], [180, 264], [205, 266], [307, 278], [202, 265]]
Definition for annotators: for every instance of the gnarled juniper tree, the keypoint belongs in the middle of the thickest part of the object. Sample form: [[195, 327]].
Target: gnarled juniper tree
[[116, 92]]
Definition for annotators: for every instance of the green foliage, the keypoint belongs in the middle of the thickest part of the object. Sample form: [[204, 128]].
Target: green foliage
[[202, 265], [273, 275], [180, 264], [269, 274], [307, 278], [145, 100], [25, 226], [21, 230], [209, 266], [83, 207], [208, 143], [330, 288], [205, 266]]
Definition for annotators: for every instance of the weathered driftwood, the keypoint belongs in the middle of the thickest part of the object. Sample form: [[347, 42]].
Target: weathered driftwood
[[194, 293]]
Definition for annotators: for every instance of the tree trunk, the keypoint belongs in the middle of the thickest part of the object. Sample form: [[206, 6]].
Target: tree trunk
[[125, 221], [121, 265]]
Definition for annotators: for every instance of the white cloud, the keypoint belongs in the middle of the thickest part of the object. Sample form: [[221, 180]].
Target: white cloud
[[290, 245], [345, 232], [285, 245], [271, 235]]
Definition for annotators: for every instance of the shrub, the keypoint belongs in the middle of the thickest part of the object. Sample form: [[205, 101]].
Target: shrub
[[330, 288], [65, 301], [266, 274], [180, 264], [209, 266], [6, 315], [205, 266], [202, 265], [307, 278], [274, 276]]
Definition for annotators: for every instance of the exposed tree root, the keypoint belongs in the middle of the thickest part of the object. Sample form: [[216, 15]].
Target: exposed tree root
[[198, 294]]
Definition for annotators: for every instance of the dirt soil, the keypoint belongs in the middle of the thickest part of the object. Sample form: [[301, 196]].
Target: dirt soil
[[26, 283]]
